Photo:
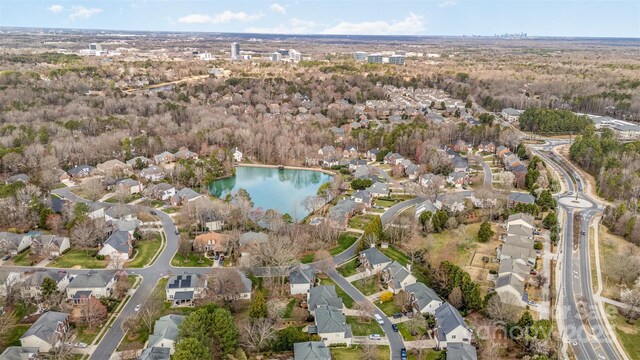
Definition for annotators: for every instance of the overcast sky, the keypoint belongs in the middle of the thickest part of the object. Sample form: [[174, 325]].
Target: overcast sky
[[602, 18]]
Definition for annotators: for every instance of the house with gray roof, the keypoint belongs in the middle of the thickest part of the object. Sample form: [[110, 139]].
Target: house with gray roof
[[450, 326], [19, 353], [93, 283], [139, 160], [393, 158], [397, 277], [379, 189], [322, 296], [311, 350], [80, 171], [362, 197], [373, 260], [23, 178], [165, 332], [49, 245], [162, 191], [339, 215], [155, 353], [184, 289], [461, 351], [164, 157], [184, 196], [423, 299], [129, 186], [506, 251], [517, 267], [185, 154], [520, 230], [31, 287], [152, 173], [520, 198], [301, 279], [47, 332], [117, 245], [331, 326], [12, 244], [520, 219], [428, 205], [510, 284]]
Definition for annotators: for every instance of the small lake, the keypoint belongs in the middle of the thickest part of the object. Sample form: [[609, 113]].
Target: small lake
[[272, 188]]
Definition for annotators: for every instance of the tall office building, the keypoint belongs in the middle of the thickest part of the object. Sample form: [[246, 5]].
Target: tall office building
[[396, 59], [360, 56], [374, 59], [235, 51]]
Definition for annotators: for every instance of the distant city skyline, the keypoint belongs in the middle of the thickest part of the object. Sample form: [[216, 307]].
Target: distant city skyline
[[564, 18]]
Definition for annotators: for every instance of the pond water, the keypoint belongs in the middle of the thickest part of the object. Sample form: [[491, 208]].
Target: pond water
[[272, 188]]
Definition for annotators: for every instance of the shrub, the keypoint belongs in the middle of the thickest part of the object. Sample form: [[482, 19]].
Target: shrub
[[386, 296]]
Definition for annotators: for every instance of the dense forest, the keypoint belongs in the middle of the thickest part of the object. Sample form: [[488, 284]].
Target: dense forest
[[553, 121]]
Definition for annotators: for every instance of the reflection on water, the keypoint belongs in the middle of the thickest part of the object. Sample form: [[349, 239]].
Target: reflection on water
[[271, 188]]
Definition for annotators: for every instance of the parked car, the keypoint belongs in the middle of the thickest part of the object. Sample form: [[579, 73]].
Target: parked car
[[403, 354], [6, 257], [137, 307], [378, 319], [81, 345], [583, 233], [533, 272], [397, 315], [153, 213], [394, 327], [177, 232], [374, 337]]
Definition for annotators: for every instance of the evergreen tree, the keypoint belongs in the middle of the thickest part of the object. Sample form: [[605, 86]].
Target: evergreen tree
[[190, 348], [258, 309], [225, 331], [485, 233], [49, 287]]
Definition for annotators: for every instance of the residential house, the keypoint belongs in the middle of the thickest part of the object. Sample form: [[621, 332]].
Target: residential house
[[49, 245], [301, 279], [23, 178], [520, 173], [423, 299], [460, 146], [185, 154], [397, 277], [450, 326], [460, 164], [96, 210], [139, 162], [340, 214], [428, 205], [212, 221], [330, 161], [327, 151], [311, 350], [31, 287], [362, 197], [451, 202], [457, 178], [506, 251], [517, 267], [501, 150], [520, 219], [241, 289], [163, 191], [47, 332], [120, 212], [355, 163], [152, 173], [511, 162], [155, 353], [393, 158], [20, 353], [511, 114], [373, 260], [431, 181], [520, 230], [164, 157], [350, 152], [520, 198], [184, 289], [247, 241], [114, 167], [80, 171], [322, 296], [12, 244], [331, 326], [117, 246], [129, 186], [487, 146], [449, 152], [412, 171], [184, 196], [379, 189], [98, 284], [512, 285], [165, 332], [461, 351], [8, 280], [211, 242], [372, 154], [237, 154]]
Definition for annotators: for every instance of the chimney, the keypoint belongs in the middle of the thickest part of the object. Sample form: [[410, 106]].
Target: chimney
[[409, 267]]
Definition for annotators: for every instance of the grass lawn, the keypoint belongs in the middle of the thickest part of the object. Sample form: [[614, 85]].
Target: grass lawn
[[344, 242], [461, 240], [146, 250], [308, 258], [364, 329], [82, 335], [22, 259], [404, 331], [289, 309], [360, 221], [386, 202], [115, 200], [396, 254], [13, 336], [80, 258], [366, 286], [157, 203], [357, 353], [389, 308], [192, 260], [349, 268], [346, 299], [627, 334]]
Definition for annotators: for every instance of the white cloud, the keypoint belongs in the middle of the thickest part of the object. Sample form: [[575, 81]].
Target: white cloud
[[447, 3], [55, 8], [220, 18], [410, 25], [83, 12], [275, 7], [295, 26]]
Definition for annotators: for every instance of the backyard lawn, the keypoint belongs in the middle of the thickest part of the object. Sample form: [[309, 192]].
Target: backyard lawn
[[360, 221], [22, 259], [128, 199], [386, 202], [349, 268], [192, 260], [367, 286], [465, 241], [289, 309], [364, 328], [357, 353], [344, 242], [346, 299], [404, 331], [395, 254], [307, 258], [78, 258], [146, 250], [627, 334], [13, 337]]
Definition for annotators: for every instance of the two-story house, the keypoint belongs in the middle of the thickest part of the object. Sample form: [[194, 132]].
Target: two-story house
[[165, 332], [331, 326], [184, 289], [397, 277], [31, 287], [49, 245], [450, 326], [94, 283], [47, 332], [12, 244], [373, 260], [117, 246], [301, 279], [423, 299]]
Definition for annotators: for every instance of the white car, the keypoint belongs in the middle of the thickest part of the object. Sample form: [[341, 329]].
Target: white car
[[378, 319], [137, 307], [374, 337]]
